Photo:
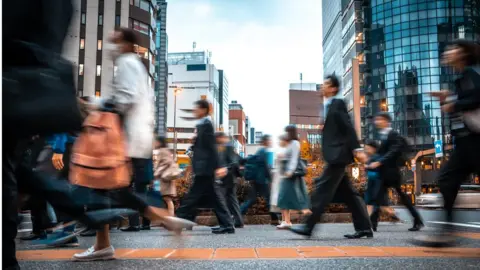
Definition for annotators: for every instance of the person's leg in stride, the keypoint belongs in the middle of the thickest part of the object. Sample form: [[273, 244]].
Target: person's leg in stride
[[251, 199], [358, 208], [326, 187], [202, 186], [224, 216], [417, 219], [170, 205], [234, 206]]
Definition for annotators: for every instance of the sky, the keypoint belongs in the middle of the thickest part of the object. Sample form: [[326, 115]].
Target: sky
[[262, 46]]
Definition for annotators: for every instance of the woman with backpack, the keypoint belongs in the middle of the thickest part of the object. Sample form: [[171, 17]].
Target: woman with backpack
[[293, 190]]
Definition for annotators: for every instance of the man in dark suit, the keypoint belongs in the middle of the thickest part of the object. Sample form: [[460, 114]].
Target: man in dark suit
[[206, 168], [390, 153], [340, 145], [226, 188]]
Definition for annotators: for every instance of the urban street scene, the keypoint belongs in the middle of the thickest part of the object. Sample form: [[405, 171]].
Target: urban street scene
[[241, 134]]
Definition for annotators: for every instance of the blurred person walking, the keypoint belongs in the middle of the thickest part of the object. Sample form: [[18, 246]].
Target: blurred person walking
[[165, 172], [226, 187], [258, 169], [339, 145], [293, 193], [462, 105], [388, 165]]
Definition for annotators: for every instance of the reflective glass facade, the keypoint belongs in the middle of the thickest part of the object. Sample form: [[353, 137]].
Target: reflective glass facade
[[332, 27], [404, 42]]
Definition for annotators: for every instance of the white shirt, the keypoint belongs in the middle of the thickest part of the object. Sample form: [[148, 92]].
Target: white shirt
[[135, 99]]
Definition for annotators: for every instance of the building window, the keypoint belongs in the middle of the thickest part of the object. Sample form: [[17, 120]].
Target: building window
[[197, 67], [99, 70], [140, 27], [84, 18], [99, 45], [100, 19], [82, 43], [145, 5], [80, 69], [117, 20], [97, 93]]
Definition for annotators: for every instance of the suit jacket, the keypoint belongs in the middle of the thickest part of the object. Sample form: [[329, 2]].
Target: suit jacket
[[389, 153], [205, 157], [264, 176], [339, 138], [227, 158]]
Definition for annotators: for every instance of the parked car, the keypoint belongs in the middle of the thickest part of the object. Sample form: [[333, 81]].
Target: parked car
[[468, 197]]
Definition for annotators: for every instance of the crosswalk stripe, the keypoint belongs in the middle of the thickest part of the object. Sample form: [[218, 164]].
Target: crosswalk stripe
[[456, 224]]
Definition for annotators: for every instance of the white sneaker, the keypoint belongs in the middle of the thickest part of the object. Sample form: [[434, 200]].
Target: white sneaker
[[92, 255], [175, 223], [284, 225]]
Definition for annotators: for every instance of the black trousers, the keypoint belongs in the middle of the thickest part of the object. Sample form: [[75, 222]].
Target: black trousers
[[203, 187], [404, 199], [463, 161], [228, 194], [334, 180], [140, 181], [258, 190]]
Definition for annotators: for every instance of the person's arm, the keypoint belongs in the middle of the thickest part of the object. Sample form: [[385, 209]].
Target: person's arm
[[343, 120], [210, 144], [394, 150], [59, 143], [472, 101], [295, 154]]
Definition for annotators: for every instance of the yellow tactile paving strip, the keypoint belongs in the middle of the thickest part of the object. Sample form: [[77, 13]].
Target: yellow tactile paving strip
[[260, 253]]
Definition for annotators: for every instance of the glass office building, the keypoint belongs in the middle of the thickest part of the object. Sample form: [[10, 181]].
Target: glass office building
[[404, 40], [332, 27]]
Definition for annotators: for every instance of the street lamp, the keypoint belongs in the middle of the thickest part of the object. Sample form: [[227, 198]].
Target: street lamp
[[176, 91]]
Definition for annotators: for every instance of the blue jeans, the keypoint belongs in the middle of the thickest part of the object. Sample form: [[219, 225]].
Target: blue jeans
[[258, 190]]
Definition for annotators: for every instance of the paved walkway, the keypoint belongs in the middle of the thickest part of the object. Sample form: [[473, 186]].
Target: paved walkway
[[259, 246]]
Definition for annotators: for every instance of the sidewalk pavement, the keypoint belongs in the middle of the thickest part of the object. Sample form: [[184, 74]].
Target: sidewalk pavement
[[261, 246]]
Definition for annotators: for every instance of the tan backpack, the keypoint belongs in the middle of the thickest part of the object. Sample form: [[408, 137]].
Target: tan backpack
[[99, 156]]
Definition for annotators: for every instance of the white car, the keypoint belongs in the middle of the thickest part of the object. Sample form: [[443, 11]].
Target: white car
[[468, 197]]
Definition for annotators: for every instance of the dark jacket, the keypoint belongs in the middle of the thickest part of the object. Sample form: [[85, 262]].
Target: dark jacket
[[390, 152], [264, 176], [339, 138], [205, 157], [467, 88], [227, 158]]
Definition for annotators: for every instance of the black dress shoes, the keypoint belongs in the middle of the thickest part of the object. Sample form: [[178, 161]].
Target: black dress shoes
[[301, 230], [223, 230], [145, 228], [417, 227], [360, 234], [34, 236]]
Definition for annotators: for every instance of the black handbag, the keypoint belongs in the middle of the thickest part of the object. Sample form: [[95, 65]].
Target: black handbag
[[301, 169], [40, 98]]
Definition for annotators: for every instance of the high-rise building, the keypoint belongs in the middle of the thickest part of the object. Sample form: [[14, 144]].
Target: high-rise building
[[251, 138], [352, 56], [404, 43], [91, 25], [332, 27], [188, 82], [223, 99], [161, 68], [306, 113]]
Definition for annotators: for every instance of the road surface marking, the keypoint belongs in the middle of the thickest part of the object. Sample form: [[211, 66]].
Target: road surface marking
[[456, 224], [258, 253]]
